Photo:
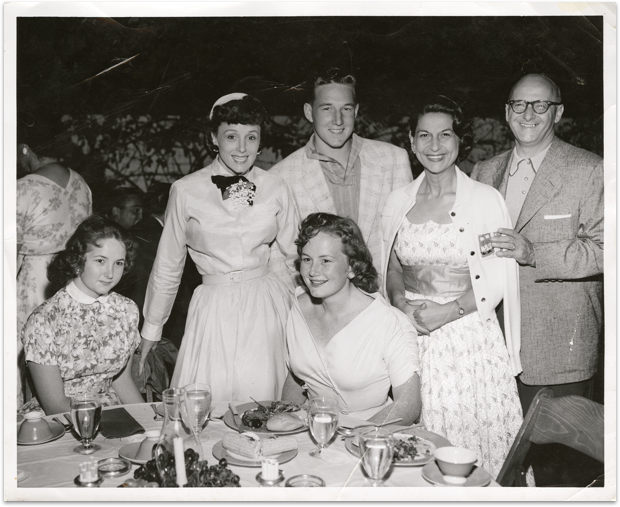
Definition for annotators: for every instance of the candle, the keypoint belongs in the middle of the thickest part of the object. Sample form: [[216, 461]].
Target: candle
[[89, 471], [179, 459], [269, 469]]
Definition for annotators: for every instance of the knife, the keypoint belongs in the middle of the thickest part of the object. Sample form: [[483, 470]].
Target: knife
[[236, 418]]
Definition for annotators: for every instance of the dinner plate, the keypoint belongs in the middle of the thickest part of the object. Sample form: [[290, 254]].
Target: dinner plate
[[129, 452], [433, 438], [478, 478], [58, 430], [220, 452], [241, 409]]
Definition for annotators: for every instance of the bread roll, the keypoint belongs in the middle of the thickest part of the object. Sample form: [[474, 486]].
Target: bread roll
[[284, 422]]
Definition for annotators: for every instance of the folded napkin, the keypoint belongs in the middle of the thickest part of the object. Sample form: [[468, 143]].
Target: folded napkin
[[118, 423]]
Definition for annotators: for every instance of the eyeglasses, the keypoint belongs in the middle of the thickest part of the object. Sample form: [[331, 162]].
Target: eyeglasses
[[539, 106]]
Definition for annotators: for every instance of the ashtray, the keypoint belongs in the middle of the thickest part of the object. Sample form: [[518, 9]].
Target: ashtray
[[113, 467], [305, 481]]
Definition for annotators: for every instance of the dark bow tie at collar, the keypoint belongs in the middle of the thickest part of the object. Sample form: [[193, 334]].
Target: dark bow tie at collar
[[225, 182]]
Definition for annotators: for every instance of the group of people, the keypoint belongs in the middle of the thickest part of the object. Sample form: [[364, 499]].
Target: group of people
[[334, 274]]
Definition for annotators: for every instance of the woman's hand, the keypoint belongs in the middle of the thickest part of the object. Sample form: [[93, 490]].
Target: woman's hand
[[429, 315], [145, 348], [409, 309]]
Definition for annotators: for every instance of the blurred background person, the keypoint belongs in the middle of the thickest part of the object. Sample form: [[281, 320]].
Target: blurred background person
[[126, 206], [52, 200]]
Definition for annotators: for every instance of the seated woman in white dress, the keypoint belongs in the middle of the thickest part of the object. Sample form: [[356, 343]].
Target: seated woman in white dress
[[82, 339], [344, 340]]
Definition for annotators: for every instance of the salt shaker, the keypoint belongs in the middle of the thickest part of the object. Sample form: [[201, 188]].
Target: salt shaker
[[89, 475], [270, 476]]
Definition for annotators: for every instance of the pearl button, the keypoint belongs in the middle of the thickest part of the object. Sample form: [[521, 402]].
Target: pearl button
[[523, 192], [525, 178]]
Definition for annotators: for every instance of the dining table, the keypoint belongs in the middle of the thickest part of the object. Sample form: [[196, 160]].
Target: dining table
[[47, 471]]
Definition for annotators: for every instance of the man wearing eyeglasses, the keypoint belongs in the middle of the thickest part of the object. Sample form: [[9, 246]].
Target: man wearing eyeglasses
[[554, 192]]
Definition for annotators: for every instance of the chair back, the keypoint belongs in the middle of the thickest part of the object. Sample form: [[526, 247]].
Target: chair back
[[571, 420]]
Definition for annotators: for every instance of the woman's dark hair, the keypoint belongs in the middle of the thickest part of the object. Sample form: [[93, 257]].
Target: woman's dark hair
[[461, 126], [67, 264], [353, 246], [245, 111]]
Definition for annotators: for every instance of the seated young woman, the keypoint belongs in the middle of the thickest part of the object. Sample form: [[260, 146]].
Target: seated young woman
[[82, 339], [344, 340]]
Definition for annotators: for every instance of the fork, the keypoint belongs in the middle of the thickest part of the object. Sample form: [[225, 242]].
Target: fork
[[345, 430], [66, 426]]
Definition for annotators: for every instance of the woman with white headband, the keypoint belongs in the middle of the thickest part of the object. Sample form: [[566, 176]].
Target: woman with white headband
[[226, 216]]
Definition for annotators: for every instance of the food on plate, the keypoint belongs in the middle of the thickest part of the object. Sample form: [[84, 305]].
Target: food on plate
[[283, 422], [250, 445], [257, 418], [411, 448]]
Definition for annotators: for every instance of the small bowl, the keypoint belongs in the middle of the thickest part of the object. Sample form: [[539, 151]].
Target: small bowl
[[34, 428], [145, 451], [305, 481], [455, 461]]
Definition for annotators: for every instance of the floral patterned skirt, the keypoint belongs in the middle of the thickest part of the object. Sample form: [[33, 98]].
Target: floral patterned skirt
[[469, 394]]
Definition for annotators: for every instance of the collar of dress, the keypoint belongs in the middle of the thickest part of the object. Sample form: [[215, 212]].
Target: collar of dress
[[83, 298]]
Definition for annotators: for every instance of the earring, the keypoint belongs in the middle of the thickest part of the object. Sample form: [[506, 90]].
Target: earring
[[259, 152], [25, 150], [351, 275], [216, 149]]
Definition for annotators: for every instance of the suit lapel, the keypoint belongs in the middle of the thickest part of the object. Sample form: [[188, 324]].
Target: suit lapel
[[548, 179], [371, 184], [314, 182]]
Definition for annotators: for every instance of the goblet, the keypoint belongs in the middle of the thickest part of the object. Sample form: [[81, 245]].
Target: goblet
[[86, 416], [198, 404], [377, 449], [322, 421]]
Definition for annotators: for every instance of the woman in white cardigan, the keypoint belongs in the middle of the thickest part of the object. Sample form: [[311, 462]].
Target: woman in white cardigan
[[440, 270]]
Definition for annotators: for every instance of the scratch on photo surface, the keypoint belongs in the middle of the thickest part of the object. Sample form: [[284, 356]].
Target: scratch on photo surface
[[110, 68]]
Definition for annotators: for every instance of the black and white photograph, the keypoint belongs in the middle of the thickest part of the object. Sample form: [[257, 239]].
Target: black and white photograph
[[367, 248]]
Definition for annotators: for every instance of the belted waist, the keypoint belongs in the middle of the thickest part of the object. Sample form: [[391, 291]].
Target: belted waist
[[241, 276], [441, 281]]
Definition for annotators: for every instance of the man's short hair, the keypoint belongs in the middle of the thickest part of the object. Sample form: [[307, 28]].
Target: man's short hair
[[120, 196], [331, 75], [554, 87]]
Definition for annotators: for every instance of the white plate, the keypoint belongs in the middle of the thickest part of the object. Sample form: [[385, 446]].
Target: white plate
[[220, 452], [478, 478], [129, 452], [58, 430], [433, 438], [241, 409]]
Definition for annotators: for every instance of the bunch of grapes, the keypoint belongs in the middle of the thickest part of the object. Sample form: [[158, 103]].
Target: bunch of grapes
[[199, 473]]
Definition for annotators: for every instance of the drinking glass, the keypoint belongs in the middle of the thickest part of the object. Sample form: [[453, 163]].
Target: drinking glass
[[322, 421], [377, 450], [86, 416], [198, 403]]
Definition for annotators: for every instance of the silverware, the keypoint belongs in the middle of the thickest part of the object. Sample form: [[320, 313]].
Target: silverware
[[346, 431], [66, 426], [68, 418], [157, 416], [236, 418], [258, 403]]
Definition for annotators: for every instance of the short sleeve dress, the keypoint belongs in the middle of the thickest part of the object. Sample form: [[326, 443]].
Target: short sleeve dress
[[376, 350], [90, 342]]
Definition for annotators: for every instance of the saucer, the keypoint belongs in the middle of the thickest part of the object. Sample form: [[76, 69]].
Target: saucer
[[129, 452], [478, 478], [58, 430]]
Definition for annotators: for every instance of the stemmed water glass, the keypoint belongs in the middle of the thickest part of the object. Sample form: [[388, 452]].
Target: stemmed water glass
[[322, 421], [198, 404], [377, 450], [86, 416]]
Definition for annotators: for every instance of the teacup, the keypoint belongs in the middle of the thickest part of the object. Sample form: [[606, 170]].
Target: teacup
[[145, 451], [34, 428], [455, 463]]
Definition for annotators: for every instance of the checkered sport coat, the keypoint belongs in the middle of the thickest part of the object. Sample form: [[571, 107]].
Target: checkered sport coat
[[562, 297], [384, 167]]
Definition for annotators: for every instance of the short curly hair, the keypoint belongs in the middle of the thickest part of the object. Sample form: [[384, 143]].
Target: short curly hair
[[67, 264], [462, 127], [245, 111], [353, 246]]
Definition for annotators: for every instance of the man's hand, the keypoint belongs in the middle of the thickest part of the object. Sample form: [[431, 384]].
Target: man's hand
[[514, 246], [145, 348]]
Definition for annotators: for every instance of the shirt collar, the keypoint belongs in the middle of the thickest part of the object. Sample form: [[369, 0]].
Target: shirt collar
[[536, 160], [76, 293], [357, 143]]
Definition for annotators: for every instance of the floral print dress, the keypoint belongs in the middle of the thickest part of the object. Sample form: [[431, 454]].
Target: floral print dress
[[468, 392], [89, 342]]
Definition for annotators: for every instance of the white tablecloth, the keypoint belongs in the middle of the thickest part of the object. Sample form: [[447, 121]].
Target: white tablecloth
[[55, 465]]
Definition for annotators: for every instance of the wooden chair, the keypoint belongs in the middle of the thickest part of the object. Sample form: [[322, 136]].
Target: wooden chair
[[572, 420]]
